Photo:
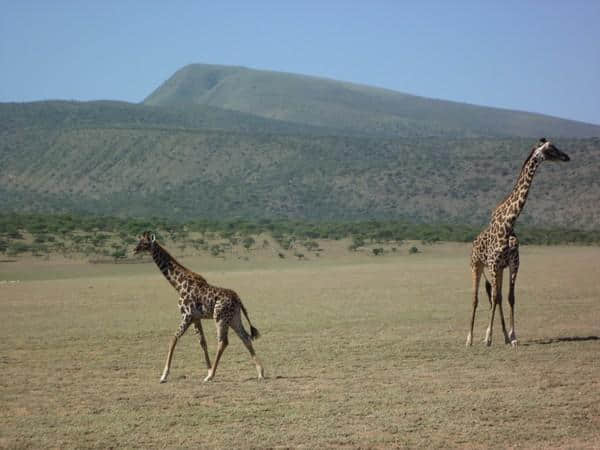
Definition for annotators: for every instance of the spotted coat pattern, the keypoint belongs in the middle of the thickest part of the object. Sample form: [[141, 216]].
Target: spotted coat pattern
[[497, 246], [200, 300]]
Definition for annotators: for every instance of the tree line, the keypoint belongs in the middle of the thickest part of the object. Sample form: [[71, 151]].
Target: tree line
[[110, 236]]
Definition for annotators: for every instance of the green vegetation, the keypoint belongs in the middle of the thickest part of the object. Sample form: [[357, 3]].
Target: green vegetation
[[330, 152], [41, 234], [184, 175], [121, 115]]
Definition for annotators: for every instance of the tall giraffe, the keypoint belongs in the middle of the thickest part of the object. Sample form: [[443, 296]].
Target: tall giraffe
[[497, 246], [199, 300]]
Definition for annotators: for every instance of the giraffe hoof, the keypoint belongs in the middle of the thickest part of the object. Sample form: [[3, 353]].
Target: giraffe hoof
[[163, 380], [208, 378], [514, 343]]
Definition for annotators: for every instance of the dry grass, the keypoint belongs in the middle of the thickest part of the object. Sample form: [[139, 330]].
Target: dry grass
[[359, 352]]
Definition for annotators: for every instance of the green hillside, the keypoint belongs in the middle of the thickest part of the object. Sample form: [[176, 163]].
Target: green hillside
[[227, 142], [113, 114], [350, 108], [193, 174]]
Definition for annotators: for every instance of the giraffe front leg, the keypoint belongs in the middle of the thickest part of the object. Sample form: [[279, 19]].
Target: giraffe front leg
[[477, 270], [496, 286], [500, 310], [512, 336], [183, 326]]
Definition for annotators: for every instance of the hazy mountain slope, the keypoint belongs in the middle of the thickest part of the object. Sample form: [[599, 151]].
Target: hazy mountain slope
[[349, 107], [220, 174], [112, 114]]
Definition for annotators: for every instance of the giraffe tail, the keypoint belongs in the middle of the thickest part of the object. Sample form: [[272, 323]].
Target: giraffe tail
[[254, 334]]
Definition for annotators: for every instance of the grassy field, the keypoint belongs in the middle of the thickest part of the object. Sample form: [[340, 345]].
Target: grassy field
[[359, 351]]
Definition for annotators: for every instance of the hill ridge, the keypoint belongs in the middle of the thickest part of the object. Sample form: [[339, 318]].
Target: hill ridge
[[345, 106]]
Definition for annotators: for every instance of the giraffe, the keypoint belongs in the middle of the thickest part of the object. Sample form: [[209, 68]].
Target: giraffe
[[200, 300], [497, 246]]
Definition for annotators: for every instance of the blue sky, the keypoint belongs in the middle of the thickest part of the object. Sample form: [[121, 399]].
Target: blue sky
[[541, 56]]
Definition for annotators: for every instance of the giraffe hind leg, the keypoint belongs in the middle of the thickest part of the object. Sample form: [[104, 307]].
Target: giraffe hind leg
[[237, 326], [200, 332], [222, 343]]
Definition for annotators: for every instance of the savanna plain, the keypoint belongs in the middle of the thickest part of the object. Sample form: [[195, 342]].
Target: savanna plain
[[359, 351]]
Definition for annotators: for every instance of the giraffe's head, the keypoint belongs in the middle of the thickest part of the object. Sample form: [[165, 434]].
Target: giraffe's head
[[544, 150], [147, 240]]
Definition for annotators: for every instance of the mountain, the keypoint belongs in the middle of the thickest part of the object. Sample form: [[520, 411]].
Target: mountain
[[113, 114], [203, 146], [350, 108], [220, 174]]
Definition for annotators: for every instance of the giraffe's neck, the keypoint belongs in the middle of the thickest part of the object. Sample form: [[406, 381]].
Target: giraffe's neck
[[168, 265], [507, 212]]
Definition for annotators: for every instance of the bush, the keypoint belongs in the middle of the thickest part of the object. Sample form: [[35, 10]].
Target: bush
[[357, 241], [413, 250], [119, 253], [16, 248], [248, 242], [311, 245]]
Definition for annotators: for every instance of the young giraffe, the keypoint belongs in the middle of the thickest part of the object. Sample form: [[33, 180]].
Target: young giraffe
[[497, 246], [199, 300]]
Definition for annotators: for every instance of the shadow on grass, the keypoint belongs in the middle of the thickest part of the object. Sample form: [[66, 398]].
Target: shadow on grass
[[561, 339]]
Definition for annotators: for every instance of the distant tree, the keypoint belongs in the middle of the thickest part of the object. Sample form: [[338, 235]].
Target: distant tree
[[119, 253], [357, 241], [311, 245], [16, 248], [248, 242]]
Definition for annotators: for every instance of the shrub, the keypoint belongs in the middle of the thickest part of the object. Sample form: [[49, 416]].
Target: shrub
[[248, 242], [119, 253], [16, 248]]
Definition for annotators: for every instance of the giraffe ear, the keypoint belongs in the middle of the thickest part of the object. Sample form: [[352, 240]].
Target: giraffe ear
[[153, 238]]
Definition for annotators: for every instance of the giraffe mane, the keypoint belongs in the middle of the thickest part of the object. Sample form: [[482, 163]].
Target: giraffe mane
[[535, 147]]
